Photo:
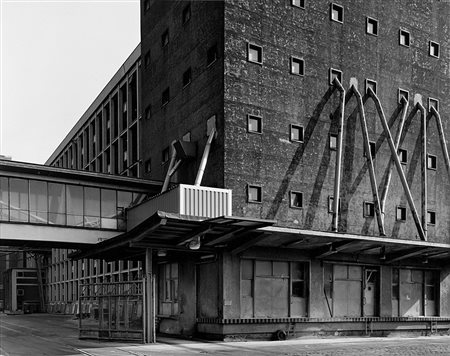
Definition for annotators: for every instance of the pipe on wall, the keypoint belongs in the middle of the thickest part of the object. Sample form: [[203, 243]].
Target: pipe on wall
[[373, 180], [337, 172], [442, 139], [423, 117], [398, 165], [201, 168]]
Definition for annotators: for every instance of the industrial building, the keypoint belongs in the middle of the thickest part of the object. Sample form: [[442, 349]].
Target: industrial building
[[301, 150]]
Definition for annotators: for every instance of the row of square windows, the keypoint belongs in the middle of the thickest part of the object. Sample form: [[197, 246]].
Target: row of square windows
[[254, 195], [336, 14], [296, 134], [372, 26]]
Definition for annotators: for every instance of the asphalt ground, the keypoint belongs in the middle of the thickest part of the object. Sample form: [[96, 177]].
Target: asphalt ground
[[49, 334]]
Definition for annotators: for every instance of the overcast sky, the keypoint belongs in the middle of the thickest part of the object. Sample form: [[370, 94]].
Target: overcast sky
[[56, 57]]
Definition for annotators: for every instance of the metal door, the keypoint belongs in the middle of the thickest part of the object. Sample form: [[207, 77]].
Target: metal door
[[370, 292], [347, 285]]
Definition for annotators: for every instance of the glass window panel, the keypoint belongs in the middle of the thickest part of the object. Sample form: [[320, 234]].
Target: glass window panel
[[395, 273], [281, 269], [109, 209], [124, 200], [74, 205], [38, 202], [417, 276], [56, 204], [247, 269], [430, 292], [263, 268], [4, 200], [298, 271], [174, 273], [246, 288], [91, 207], [18, 199], [298, 289]]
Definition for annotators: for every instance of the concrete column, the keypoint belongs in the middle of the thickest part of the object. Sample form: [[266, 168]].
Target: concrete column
[[385, 291], [444, 292], [149, 299]]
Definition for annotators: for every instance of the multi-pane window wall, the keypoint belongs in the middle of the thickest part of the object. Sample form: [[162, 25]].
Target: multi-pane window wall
[[42, 202], [108, 141]]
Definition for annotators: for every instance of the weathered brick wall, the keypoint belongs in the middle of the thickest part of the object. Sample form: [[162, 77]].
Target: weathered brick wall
[[189, 107], [269, 90]]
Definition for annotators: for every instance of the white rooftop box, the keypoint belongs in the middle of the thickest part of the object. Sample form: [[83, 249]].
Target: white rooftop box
[[186, 200]]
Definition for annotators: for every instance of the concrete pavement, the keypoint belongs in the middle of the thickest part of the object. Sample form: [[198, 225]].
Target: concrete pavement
[[45, 334]]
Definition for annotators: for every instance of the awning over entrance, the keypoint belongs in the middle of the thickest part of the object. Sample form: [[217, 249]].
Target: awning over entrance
[[175, 232], [188, 234]]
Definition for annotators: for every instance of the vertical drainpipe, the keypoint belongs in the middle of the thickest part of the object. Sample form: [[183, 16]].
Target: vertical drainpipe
[[442, 139], [398, 165], [397, 145], [423, 117], [373, 180], [339, 148]]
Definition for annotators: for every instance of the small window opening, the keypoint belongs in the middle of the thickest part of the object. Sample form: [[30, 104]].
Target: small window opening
[[165, 155], [147, 59], [404, 38], [297, 66], [148, 165], [402, 93], [337, 13], [296, 199], [403, 156], [434, 49], [431, 217], [211, 55], [372, 84], [333, 139], [331, 204], [433, 103], [298, 3], [187, 77], [401, 213], [369, 209], [186, 13], [148, 112], [296, 133], [165, 38], [335, 73], [372, 147], [254, 53], [254, 194], [432, 162], [371, 26], [165, 97], [254, 124]]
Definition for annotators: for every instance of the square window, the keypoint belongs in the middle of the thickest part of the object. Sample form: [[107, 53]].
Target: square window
[[165, 97], [148, 112], [187, 76], [296, 200], [147, 59], [165, 155], [433, 103], [404, 38], [403, 155], [369, 209], [254, 53], [165, 38], [211, 55], [372, 84], [146, 5], [296, 133], [402, 93], [186, 16], [331, 204], [254, 124], [335, 74], [254, 194], [372, 147], [148, 165], [297, 66], [337, 13], [431, 217], [298, 3], [434, 49], [371, 26], [432, 162], [333, 139], [401, 213]]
